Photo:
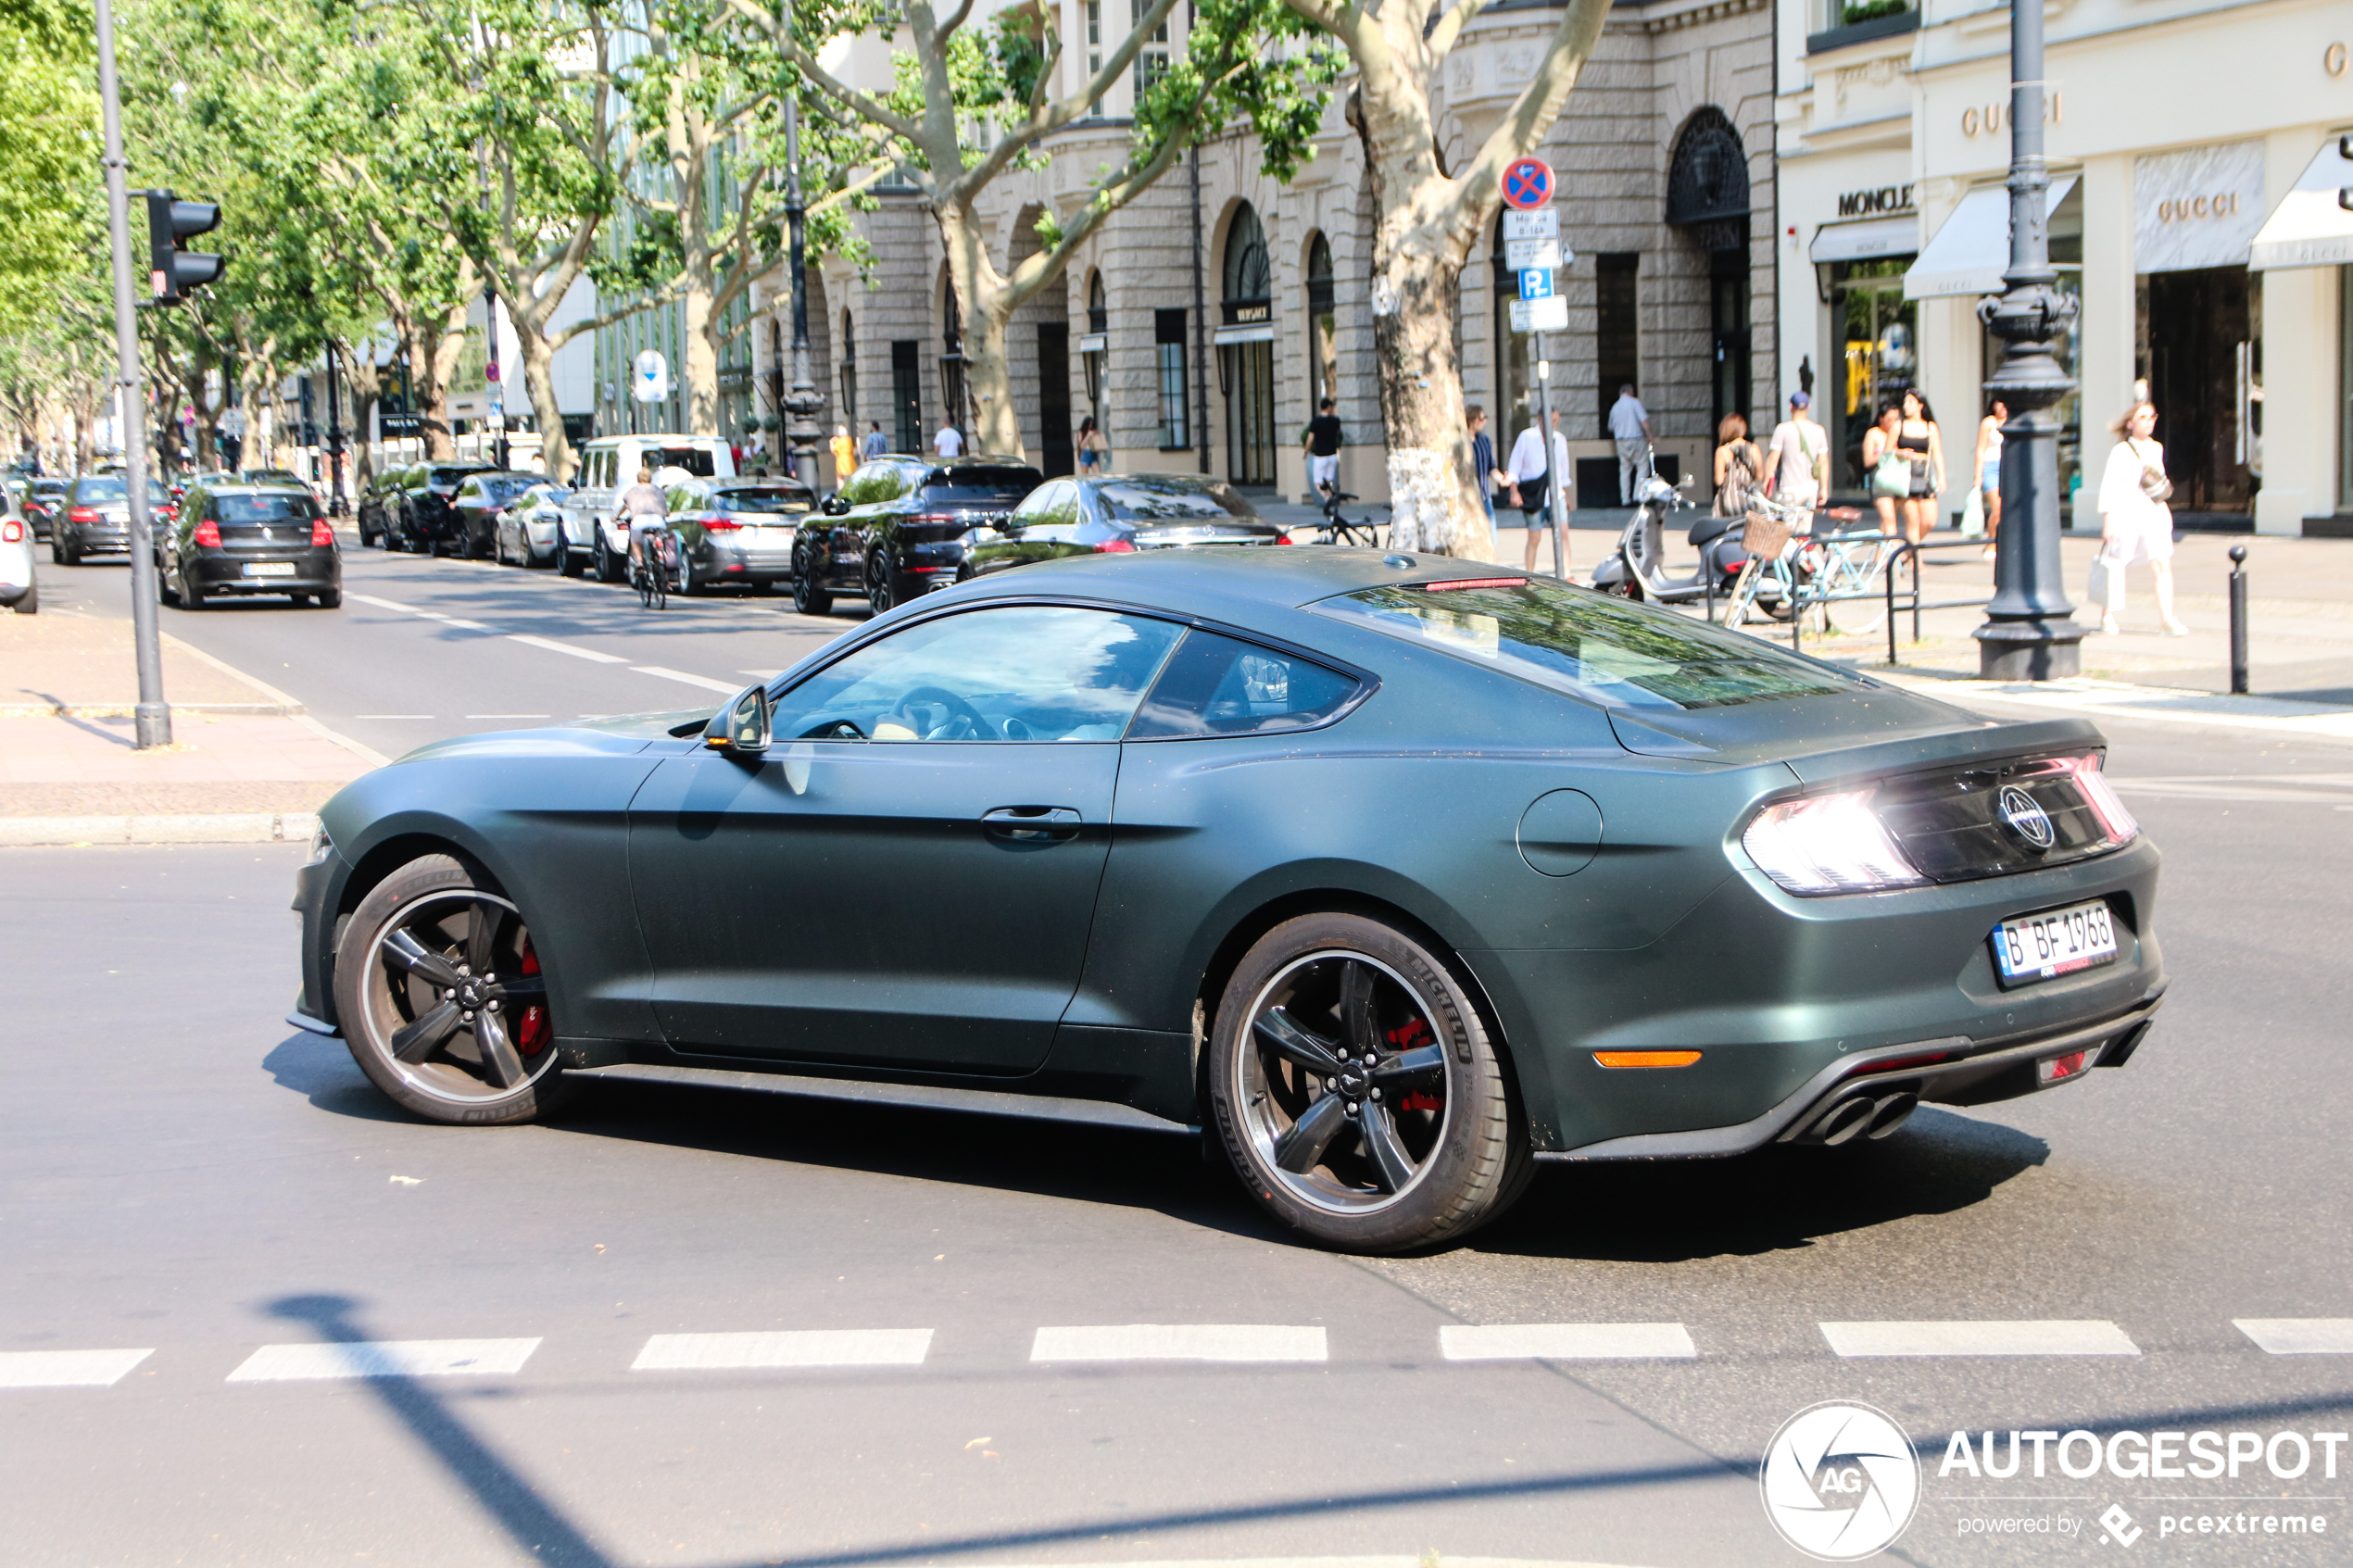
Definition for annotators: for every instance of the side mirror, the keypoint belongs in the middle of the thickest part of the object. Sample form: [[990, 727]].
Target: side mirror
[[740, 729], [833, 505]]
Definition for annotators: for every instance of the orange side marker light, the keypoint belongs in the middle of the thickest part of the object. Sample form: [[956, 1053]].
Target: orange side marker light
[[1646, 1059]]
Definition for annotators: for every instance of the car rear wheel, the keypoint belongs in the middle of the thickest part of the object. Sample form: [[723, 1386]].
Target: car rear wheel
[[443, 1001], [881, 587], [567, 562], [807, 598], [190, 595], [609, 566], [1358, 1092]]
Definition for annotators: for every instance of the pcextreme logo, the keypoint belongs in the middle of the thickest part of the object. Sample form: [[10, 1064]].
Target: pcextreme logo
[[1839, 1481]]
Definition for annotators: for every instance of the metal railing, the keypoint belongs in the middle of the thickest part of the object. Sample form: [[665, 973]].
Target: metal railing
[[1907, 551]]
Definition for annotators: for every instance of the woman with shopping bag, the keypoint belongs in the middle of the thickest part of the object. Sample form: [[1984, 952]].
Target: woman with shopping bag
[[2136, 524]]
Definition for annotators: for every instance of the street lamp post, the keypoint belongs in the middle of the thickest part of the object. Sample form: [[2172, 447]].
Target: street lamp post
[[804, 400], [337, 506], [2030, 631]]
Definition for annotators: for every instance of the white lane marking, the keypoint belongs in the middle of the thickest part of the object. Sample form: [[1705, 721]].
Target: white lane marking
[[704, 681], [554, 646], [385, 1357], [760, 674], [2299, 1337], [391, 716], [808, 1347], [67, 1369], [505, 716], [380, 604], [426, 614], [2089, 1336], [1566, 1342], [1179, 1342], [464, 625]]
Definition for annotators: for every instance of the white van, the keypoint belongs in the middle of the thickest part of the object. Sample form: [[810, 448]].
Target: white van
[[608, 466]]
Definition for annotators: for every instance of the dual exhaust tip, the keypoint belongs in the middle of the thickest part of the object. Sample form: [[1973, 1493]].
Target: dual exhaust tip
[[1861, 1116]]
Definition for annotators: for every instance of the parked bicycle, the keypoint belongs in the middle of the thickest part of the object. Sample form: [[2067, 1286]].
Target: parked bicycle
[[1339, 529]]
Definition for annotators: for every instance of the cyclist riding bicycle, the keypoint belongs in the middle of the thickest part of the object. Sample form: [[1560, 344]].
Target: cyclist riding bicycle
[[645, 505]]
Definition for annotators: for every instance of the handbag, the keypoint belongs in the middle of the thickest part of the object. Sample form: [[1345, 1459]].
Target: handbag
[[1974, 515], [2154, 484], [1892, 475]]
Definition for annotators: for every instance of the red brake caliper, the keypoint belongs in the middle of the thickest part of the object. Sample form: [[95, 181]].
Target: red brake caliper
[[531, 1033], [1406, 1038]]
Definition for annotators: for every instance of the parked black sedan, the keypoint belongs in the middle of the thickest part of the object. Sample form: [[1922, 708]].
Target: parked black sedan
[[236, 539], [423, 519], [93, 520], [478, 500], [42, 500], [897, 530], [379, 505], [1424, 870], [1116, 514], [737, 532]]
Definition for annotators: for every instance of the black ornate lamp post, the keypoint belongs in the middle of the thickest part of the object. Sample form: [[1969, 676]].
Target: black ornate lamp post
[[2030, 631], [804, 400]]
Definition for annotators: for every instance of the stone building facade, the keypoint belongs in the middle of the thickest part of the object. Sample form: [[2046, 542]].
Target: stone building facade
[[1203, 323]]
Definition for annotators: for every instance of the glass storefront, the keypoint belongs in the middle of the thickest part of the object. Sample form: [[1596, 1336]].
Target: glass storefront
[[1879, 347]]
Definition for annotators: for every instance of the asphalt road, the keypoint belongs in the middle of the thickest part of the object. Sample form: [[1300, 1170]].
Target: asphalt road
[[183, 1174]]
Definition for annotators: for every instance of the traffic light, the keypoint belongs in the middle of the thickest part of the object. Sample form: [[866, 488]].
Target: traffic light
[[172, 267]]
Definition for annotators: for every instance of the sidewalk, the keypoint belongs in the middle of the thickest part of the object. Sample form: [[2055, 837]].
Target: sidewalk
[[246, 764]]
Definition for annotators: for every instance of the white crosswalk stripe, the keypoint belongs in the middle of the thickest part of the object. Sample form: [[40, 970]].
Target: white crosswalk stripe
[[1566, 1342], [2053, 1337], [385, 1358], [795, 1347], [2299, 1337], [1179, 1342], [67, 1369]]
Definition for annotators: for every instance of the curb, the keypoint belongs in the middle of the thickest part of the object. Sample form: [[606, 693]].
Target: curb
[[131, 710], [252, 827]]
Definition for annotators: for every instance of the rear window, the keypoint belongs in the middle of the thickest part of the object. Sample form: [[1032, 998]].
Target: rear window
[[101, 490], [267, 509], [696, 461], [980, 488], [1603, 649], [1143, 500], [760, 501]]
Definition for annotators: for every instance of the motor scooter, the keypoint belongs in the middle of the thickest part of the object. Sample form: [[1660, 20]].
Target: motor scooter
[[1636, 567]]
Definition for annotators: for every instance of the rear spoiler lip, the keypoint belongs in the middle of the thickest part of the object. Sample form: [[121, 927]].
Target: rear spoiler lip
[[1912, 754]]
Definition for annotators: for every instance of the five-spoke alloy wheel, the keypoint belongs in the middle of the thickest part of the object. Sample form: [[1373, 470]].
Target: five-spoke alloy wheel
[[1358, 1091], [443, 1000]]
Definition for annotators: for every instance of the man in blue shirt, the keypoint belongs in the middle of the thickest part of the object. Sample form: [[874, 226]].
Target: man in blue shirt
[[1482, 459]]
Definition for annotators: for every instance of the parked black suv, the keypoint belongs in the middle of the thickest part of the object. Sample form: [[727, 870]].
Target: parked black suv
[[421, 515], [897, 529]]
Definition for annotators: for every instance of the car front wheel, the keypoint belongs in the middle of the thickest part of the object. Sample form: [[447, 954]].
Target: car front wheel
[[807, 598], [443, 1000], [1358, 1092]]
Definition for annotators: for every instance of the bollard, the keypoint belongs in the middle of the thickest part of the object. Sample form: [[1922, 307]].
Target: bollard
[[2238, 621]]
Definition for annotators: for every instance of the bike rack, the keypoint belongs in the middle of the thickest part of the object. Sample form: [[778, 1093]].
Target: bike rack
[[1905, 549]]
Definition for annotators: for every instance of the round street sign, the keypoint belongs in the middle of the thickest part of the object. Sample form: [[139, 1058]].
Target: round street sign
[[1527, 184]]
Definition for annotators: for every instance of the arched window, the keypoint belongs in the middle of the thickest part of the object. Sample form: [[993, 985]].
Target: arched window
[[1245, 351], [1707, 199], [1323, 325]]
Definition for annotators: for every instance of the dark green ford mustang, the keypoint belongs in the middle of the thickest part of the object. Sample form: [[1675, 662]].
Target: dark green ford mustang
[[1397, 873]]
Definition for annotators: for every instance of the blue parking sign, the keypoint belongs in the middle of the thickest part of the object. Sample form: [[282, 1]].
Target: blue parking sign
[[1536, 282]]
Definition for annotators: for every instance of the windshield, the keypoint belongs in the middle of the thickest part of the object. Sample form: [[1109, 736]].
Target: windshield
[[448, 476], [1145, 500], [101, 490], [500, 489], [1576, 641], [268, 508], [777, 499], [696, 461], [978, 486]]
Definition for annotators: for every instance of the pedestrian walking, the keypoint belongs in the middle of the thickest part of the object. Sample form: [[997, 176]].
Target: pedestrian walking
[[1482, 458], [950, 441], [876, 443], [1887, 469], [1740, 467], [1322, 439], [1987, 466], [2136, 521], [1526, 474], [1797, 460], [1921, 442], [1629, 426], [1094, 449], [845, 453]]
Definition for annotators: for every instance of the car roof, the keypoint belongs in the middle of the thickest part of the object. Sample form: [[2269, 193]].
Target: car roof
[[1239, 576]]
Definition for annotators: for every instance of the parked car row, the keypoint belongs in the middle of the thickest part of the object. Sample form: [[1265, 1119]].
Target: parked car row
[[899, 528]]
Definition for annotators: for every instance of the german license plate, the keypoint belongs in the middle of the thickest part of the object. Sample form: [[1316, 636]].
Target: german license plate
[[2044, 946], [269, 569]]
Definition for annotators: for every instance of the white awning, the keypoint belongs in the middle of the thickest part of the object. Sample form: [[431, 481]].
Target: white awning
[[2311, 227], [1248, 332], [1974, 247], [1866, 241]]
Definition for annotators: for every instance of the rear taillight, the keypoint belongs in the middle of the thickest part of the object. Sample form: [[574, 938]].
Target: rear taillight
[[11, 531], [719, 526], [2100, 795], [2050, 1070], [1283, 539], [320, 534], [934, 516], [208, 535], [1828, 844], [83, 514], [1117, 547]]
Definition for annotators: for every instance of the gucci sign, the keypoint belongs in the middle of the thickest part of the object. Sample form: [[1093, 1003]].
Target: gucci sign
[[1991, 120], [2189, 209]]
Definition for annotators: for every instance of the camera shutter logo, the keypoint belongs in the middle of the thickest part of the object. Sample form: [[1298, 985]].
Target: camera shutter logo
[[2024, 816], [1839, 1481]]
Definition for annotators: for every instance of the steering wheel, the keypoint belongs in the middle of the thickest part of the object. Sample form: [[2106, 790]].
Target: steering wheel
[[961, 712]]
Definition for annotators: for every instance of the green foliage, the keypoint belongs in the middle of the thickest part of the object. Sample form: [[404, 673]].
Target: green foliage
[[49, 203]]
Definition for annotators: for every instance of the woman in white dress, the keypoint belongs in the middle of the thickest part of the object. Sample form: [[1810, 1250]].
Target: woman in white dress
[[2135, 523]]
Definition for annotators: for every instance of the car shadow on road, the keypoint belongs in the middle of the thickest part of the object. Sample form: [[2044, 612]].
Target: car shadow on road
[[323, 1068], [1674, 1212]]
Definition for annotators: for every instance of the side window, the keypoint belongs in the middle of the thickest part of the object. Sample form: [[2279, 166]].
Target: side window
[[874, 482], [1217, 686], [1034, 504], [470, 491], [1024, 672]]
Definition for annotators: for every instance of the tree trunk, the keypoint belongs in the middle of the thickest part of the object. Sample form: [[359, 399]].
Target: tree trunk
[[702, 348], [1433, 494], [986, 311], [539, 381]]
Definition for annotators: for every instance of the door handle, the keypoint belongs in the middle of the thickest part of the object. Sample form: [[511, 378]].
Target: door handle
[[1031, 825]]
